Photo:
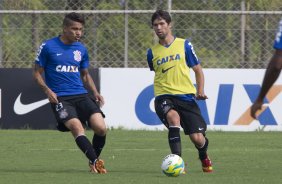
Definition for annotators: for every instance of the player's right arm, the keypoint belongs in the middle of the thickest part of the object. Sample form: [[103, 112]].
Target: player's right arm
[[274, 67], [271, 75], [37, 75], [272, 72], [150, 59], [38, 70]]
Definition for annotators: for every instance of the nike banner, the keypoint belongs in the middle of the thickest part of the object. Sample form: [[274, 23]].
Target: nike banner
[[23, 104]]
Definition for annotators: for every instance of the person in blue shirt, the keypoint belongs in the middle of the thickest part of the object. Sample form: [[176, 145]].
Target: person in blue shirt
[[272, 72], [64, 62]]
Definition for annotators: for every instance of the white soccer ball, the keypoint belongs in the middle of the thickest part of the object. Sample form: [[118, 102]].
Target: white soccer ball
[[172, 165]]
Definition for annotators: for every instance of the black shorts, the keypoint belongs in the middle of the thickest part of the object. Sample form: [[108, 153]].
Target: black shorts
[[75, 106], [191, 119]]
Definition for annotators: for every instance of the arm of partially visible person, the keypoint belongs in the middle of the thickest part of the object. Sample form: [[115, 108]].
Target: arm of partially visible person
[[37, 75], [88, 81], [271, 75], [200, 81]]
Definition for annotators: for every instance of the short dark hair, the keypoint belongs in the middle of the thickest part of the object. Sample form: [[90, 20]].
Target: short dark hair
[[161, 14], [73, 17]]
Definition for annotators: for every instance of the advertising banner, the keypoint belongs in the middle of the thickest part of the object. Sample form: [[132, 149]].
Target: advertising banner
[[129, 100], [23, 104]]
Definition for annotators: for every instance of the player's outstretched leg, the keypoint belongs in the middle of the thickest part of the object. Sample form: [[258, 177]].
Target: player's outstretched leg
[[96, 165]]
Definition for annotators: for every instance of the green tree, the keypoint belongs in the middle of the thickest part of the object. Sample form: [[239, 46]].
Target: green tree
[[11, 25]]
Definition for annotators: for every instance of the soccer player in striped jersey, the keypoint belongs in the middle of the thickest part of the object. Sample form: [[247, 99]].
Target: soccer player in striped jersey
[[64, 61], [175, 94], [272, 72]]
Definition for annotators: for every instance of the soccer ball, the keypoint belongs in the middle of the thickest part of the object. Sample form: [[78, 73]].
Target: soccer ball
[[172, 165]]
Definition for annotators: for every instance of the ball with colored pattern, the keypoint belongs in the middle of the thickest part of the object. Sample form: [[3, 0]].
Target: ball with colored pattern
[[172, 165]]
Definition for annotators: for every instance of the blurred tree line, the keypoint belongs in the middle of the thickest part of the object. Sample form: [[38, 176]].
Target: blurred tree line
[[114, 39]]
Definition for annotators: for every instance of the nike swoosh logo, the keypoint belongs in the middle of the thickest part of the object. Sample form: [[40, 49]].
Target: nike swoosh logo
[[201, 129], [165, 70], [58, 54], [21, 108]]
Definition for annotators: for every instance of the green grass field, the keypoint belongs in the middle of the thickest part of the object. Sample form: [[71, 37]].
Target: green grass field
[[49, 156]]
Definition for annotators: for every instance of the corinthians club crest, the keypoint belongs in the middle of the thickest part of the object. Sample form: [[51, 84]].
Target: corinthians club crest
[[77, 55]]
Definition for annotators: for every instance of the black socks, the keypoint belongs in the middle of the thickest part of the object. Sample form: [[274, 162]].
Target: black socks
[[174, 140], [203, 150], [98, 143], [86, 147]]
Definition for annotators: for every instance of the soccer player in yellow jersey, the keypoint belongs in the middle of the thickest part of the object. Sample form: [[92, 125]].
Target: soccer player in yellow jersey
[[175, 94]]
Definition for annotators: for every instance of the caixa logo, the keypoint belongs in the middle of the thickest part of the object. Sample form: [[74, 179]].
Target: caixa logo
[[223, 106]]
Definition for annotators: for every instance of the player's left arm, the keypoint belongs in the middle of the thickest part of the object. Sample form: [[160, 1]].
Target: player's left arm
[[200, 81], [89, 83], [193, 62]]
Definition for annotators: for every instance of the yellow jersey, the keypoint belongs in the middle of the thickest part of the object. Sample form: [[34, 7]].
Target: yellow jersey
[[172, 67]]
